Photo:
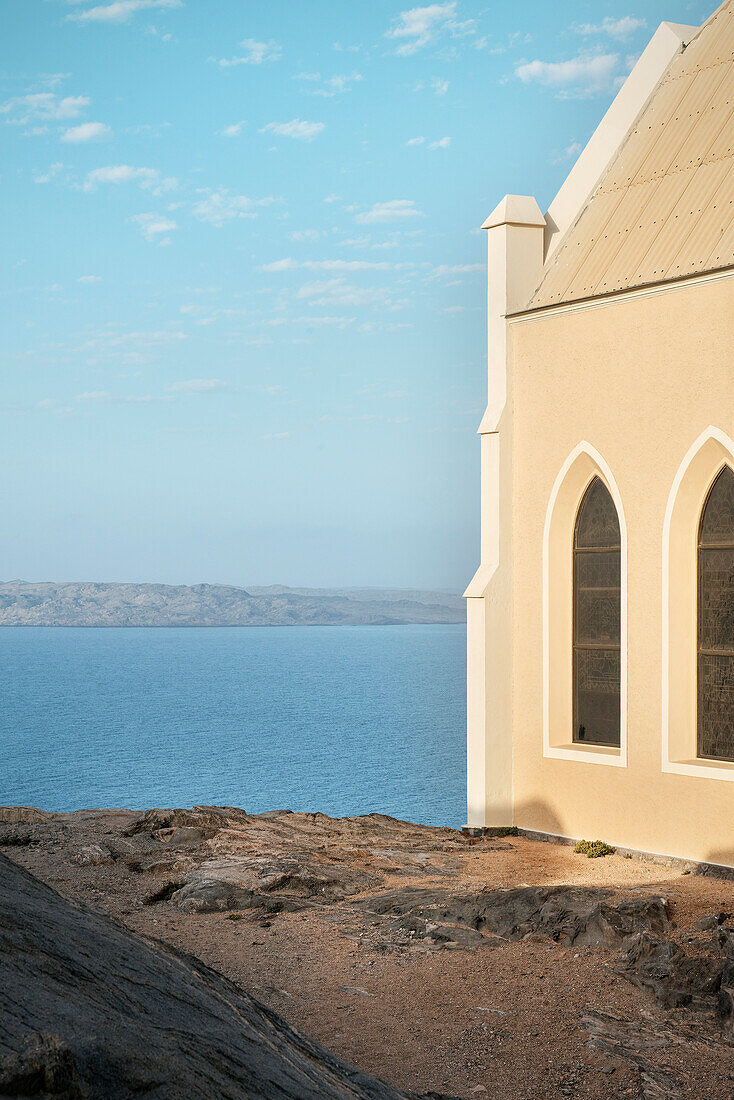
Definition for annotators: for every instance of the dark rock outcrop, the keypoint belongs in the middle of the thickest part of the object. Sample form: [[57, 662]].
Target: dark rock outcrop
[[565, 914], [674, 977], [88, 1009]]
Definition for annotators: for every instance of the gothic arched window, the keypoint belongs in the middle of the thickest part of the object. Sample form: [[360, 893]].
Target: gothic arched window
[[716, 620], [597, 609]]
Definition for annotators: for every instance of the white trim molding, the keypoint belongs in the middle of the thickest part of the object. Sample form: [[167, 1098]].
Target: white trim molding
[[703, 462], [582, 465]]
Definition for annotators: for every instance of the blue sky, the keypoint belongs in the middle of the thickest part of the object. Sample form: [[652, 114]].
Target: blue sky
[[242, 289]]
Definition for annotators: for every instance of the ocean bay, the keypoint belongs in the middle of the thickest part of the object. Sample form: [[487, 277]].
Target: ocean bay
[[337, 719]]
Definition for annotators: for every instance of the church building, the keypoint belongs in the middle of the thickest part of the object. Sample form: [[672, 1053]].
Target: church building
[[601, 618]]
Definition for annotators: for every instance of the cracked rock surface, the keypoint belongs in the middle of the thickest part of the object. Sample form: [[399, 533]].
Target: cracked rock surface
[[90, 1010]]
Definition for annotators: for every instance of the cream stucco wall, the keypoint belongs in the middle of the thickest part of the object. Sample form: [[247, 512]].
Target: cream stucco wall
[[639, 379]]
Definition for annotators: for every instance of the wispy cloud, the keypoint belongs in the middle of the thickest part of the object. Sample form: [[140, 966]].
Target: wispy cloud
[[255, 54], [443, 270], [89, 279], [120, 11], [417, 27], [217, 207], [587, 74], [198, 385], [104, 397], [148, 178], [305, 235], [234, 130], [43, 107], [437, 84], [86, 131], [49, 173], [289, 264], [154, 227], [394, 210], [441, 143], [569, 153], [338, 293], [301, 131], [617, 28], [315, 84]]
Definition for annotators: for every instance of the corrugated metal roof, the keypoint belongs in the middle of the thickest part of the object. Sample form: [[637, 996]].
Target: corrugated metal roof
[[664, 208]]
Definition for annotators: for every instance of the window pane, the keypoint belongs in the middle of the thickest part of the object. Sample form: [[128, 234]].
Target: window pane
[[596, 619], [717, 523], [716, 706], [597, 597], [596, 680], [716, 599], [597, 523], [716, 621]]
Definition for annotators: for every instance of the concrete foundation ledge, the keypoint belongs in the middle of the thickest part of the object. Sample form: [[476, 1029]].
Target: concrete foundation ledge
[[686, 866]]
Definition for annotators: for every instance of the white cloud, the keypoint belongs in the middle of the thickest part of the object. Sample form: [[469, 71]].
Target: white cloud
[[416, 141], [436, 84], [120, 11], [333, 197], [43, 107], [393, 210], [442, 143], [419, 26], [305, 235], [147, 178], [569, 153], [219, 207], [455, 269], [155, 33], [586, 74], [152, 226], [234, 130], [289, 264], [198, 385], [301, 131], [103, 397], [49, 174], [86, 131], [89, 279], [329, 86], [319, 322], [337, 292], [256, 53], [617, 28]]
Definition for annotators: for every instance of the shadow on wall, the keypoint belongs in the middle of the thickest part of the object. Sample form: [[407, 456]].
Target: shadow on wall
[[722, 857], [539, 816]]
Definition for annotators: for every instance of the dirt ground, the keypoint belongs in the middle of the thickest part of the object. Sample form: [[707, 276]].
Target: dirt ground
[[505, 1020]]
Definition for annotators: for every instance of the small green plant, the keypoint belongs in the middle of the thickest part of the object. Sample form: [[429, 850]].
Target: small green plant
[[594, 849], [505, 830], [235, 916]]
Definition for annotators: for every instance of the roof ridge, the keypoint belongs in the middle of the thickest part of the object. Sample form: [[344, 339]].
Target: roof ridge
[[685, 126]]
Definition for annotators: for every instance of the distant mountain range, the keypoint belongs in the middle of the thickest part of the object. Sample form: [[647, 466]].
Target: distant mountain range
[[23, 603]]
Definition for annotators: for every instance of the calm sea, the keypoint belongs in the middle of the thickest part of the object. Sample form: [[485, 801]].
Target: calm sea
[[343, 719]]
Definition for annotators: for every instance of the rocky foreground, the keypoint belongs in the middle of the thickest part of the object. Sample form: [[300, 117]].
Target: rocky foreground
[[501, 967]]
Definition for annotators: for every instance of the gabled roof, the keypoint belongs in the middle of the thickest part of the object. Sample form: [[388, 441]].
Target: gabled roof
[[664, 208]]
